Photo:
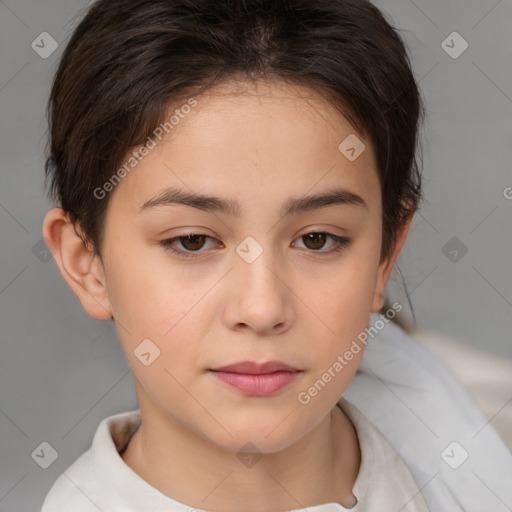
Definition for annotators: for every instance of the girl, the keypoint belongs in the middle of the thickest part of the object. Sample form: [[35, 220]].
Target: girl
[[235, 182]]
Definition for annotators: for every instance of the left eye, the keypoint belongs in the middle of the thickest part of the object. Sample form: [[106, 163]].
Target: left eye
[[195, 241], [317, 238]]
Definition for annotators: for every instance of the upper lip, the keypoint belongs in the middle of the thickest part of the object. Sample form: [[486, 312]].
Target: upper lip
[[254, 368]]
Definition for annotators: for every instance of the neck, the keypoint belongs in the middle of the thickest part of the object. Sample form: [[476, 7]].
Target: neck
[[320, 468]]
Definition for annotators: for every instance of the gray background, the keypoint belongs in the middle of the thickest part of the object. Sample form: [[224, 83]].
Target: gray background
[[62, 372]]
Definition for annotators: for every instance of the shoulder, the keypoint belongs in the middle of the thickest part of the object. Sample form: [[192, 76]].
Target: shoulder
[[384, 480], [82, 486], [430, 419], [75, 489]]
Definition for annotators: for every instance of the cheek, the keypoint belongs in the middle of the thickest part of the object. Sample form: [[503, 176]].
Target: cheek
[[342, 306], [150, 294], [343, 297], [158, 321], [164, 343]]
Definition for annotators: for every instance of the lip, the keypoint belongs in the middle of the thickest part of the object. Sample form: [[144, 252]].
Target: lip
[[254, 368], [257, 379]]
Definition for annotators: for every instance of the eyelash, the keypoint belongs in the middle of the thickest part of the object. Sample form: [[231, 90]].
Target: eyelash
[[341, 243]]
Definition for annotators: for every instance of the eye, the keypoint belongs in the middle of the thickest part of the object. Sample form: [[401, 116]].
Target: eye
[[193, 243], [316, 240]]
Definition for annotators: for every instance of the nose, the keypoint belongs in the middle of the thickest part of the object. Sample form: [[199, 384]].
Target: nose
[[260, 299]]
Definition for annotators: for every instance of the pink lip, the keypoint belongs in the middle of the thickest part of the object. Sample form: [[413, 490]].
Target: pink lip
[[257, 379]]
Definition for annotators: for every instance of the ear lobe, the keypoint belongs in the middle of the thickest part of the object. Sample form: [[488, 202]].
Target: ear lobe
[[79, 266], [386, 266]]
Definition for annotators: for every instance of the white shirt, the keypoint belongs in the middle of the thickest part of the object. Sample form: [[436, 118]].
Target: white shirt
[[402, 390], [100, 480], [457, 458]]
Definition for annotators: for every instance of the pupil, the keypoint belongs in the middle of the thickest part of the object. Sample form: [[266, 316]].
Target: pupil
[[194, 239], [311, 236]]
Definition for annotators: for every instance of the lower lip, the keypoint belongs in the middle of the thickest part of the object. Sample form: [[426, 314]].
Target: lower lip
[[258, 385]]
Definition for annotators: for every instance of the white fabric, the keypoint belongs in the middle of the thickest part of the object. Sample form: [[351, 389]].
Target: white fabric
[[421, 408], [100, 479], [487, 377], [384, 482], [408, 395]]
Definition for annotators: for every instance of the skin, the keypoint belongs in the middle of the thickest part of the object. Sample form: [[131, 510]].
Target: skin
[[296, 302]]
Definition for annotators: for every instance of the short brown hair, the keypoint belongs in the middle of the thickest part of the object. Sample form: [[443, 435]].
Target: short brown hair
[[128, 60]]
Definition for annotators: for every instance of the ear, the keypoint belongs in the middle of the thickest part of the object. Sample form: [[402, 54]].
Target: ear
[[79, 266], [387, 264]]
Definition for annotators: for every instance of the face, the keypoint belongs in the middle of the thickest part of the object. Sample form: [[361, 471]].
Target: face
[[262, 274]]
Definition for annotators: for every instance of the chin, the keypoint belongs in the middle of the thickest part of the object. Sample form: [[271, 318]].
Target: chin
[[253, 444], [271, 436]]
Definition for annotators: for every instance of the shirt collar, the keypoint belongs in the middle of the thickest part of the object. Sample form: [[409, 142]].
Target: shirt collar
[[128, 492]]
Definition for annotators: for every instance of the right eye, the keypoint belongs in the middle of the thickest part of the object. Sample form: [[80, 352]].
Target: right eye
[[192, 243]]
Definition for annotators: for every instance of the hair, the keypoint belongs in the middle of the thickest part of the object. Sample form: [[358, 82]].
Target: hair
[[127, 61]]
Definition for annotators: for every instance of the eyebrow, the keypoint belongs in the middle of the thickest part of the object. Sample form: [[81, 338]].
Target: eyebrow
[[294, 205]]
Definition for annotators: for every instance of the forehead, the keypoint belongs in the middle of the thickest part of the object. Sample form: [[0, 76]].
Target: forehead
[[268, 137]]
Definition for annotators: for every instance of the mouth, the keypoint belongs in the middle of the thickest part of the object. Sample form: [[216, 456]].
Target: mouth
[[257, 379]]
